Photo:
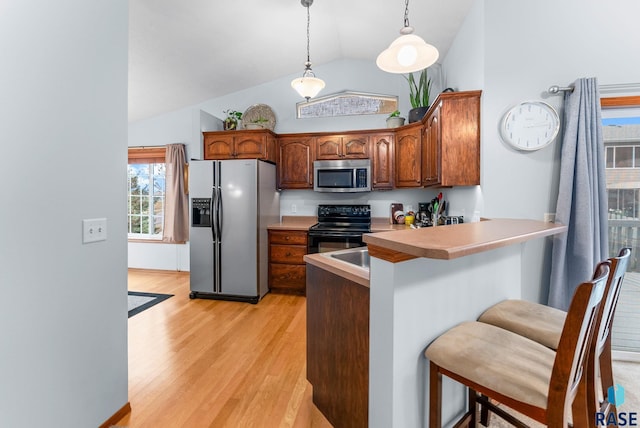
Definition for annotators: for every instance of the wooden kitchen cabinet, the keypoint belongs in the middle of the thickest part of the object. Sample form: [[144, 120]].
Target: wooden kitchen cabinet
[[442, 150], [349, 146], [451, 141], [287, 269], [431, 149], [408, 156], [382, 165], [295, 162], [248, 144]]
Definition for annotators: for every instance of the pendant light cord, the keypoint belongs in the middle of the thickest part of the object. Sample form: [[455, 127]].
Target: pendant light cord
[[308, 34], [406, 13]]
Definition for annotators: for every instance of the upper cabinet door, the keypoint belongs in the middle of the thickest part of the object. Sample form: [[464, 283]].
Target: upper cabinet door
[[408, 149], [382, 147], [431, 144], [459, 147], [355, 146], [295, 163], [348, 146], [251, 146], [329, 147], [218, 146]]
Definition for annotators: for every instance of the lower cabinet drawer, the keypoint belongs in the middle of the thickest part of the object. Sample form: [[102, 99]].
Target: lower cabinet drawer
[[288, 237], [292, 254], [284, 277]]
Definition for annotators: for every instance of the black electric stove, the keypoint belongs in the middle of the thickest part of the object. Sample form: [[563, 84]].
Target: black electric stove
[[339, 227]]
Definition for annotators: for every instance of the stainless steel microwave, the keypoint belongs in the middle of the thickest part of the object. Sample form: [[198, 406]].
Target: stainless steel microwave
[[348, 175]]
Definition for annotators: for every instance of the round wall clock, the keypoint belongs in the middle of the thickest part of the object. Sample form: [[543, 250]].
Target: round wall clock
[[530, 125]]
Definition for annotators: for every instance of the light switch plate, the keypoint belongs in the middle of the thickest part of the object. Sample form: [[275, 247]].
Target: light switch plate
[[94, 229]]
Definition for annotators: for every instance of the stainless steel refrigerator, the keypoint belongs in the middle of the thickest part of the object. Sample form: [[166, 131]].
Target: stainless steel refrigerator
[[232, 203]]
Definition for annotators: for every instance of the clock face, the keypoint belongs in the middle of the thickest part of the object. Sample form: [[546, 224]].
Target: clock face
[[530, 125]]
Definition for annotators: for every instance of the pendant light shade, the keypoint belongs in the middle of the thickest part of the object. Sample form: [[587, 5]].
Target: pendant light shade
[[407, 53], [308, 85]]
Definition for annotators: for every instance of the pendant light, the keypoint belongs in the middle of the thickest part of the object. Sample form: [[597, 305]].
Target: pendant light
[[407, 53], [308, 85]]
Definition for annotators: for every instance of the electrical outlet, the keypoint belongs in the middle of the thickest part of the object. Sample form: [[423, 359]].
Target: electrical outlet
[[94, 229], [294, 208], [549, 217]]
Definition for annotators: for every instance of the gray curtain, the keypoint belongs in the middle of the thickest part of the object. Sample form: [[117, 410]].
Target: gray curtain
[[582, 196], [176, 208]]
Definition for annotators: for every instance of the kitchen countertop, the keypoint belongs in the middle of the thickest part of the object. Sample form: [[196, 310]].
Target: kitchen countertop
[[294, 223], [344, 269], [458, 240]]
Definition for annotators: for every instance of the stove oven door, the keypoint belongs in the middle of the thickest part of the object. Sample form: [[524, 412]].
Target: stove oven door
[[324, 241]]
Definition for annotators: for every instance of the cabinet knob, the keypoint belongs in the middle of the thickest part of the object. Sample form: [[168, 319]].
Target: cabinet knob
[[288, 254]]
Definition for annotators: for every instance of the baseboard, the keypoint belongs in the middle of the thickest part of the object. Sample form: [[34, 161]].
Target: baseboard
[[124, 410], [134, 269]]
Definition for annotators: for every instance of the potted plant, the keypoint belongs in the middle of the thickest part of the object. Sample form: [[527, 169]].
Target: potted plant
[[231, 122], [394, 120], [259, 123], [419, 91]]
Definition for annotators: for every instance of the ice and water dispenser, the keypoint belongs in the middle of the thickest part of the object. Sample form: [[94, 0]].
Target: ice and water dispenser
[[201, 212]]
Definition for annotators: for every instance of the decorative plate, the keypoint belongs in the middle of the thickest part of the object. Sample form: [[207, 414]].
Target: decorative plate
[[259, 116]]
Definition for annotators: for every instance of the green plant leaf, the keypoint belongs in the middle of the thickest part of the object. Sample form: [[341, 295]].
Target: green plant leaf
[[419, 92]]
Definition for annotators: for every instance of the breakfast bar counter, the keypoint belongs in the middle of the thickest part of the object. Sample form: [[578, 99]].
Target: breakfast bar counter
[[423, 282], [450, 242]]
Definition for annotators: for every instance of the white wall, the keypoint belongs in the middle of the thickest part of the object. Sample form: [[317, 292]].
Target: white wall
[[63, 311], [464, 200], [353, 75], [528, 47]]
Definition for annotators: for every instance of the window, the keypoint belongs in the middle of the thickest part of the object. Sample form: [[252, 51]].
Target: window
[[621, 132], [146, 193], [623, 157]]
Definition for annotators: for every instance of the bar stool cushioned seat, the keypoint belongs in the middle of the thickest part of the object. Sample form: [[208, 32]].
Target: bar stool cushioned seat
[[540, 323], [528, 377], [497, 359], [543, 323]]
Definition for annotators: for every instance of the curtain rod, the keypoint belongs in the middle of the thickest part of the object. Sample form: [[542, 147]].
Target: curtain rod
[[613, 88], [555, 89]]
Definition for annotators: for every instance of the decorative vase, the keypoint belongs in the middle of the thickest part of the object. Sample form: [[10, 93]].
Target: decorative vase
[[416, 114], [230, 124], [394, 122]]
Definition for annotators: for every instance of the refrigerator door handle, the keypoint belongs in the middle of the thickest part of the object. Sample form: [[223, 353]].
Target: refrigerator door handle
[[220, 211], [214, 217], [217, 252]]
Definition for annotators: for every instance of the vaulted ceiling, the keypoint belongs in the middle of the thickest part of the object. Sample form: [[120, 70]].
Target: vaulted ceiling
[[185, 52]]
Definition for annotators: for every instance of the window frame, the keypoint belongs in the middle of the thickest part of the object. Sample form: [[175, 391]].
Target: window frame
[[141, 155]]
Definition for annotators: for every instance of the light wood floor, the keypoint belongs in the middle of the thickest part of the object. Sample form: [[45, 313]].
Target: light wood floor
[[208, 363]]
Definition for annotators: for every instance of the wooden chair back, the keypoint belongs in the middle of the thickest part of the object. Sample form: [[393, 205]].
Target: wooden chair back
[[612, 293], [600, 371], [567, 385]]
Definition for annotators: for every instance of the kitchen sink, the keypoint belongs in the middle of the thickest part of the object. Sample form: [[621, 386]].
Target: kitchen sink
[[356, 256]]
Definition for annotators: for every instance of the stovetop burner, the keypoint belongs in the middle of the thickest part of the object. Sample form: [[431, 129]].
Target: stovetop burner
[[343, 219]]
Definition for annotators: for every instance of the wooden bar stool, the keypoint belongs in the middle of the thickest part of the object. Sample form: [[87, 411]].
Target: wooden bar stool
[[513, 370], [544, 324]]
